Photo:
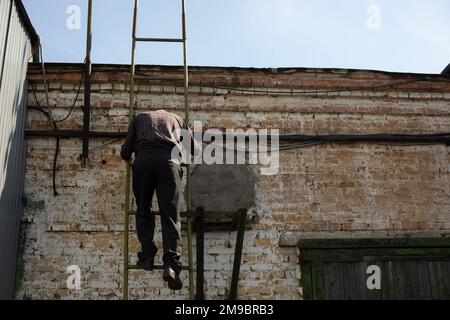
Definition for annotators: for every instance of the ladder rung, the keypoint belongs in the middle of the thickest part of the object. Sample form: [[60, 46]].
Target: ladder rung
[[155, 267], [182, 214], [159, 40]]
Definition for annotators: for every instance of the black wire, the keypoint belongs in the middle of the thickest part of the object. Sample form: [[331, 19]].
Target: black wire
[[48, 113], [75, 101], [55, 127], [54, 123], [293, 92]]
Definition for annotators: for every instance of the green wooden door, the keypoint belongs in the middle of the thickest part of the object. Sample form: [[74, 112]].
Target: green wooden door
[[408, 268]]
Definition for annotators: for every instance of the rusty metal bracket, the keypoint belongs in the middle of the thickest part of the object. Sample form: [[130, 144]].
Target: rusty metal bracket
[[200, 253], [238, 254]]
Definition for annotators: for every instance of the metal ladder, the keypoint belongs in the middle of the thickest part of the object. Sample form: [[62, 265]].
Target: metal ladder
[[126, 265]]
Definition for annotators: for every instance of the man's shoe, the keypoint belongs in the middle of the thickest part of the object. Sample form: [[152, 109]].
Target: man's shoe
[[146, 264], [172, 279]]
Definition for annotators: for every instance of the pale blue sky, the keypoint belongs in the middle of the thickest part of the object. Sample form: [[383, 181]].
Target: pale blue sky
[[413, 35]]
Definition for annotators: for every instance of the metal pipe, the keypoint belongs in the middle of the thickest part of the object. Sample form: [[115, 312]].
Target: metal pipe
[[399, 138], [73, 134], [155, 267], [183, 214], [87, 87], [238, 254]]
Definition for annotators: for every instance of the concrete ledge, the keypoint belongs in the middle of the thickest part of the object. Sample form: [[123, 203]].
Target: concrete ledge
[[292, 238]]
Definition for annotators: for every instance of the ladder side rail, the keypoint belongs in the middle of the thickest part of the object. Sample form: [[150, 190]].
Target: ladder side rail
[[188, 167], [128, 174]]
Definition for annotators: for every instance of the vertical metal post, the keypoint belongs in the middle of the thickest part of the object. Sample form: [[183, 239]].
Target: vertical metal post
[[238, 254], [128, 176], [200, 231], [87, 88], [188, 167]]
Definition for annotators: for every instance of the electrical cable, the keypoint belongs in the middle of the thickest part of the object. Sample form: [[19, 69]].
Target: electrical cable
[[107, 143], [268, 146], [299, 145], [75, 101], [55, 127], [49, 114]]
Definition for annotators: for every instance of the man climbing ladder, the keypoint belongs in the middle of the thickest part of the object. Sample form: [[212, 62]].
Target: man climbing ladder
[[153, 137], [171, 263]]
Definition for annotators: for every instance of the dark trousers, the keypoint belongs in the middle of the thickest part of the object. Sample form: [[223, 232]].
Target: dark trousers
[[153, 170]]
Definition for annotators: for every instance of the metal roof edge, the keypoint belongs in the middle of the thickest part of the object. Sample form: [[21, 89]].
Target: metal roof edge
[[34, 37]]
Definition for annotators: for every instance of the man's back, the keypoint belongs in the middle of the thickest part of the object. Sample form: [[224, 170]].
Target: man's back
[[153, 130]]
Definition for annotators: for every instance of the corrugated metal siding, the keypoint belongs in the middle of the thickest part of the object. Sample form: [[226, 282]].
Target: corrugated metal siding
[[15, 53]]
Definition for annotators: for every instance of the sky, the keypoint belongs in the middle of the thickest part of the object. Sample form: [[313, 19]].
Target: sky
[[389, 35]]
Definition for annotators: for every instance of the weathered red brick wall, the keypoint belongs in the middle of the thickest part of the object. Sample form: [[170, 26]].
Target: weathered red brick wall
[[324, 191]]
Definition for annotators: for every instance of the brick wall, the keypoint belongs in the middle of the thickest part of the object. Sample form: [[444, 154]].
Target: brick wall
[[324, 191]]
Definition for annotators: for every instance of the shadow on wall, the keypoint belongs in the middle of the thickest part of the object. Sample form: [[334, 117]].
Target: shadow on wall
[[13, 149]]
